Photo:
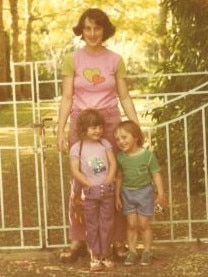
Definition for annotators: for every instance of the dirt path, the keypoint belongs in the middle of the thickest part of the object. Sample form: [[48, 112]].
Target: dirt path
[[170, 260]]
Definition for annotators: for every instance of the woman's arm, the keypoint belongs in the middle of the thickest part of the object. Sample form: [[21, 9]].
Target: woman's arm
[[125, 100], [77, 174], [110, 179], [64, 111]]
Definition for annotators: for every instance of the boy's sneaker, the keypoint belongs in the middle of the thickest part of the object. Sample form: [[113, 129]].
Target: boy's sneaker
[[95, 265], [107, 263], [146, 258], [131, 258]]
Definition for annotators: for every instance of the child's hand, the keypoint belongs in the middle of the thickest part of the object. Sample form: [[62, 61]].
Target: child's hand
[[161, 200], [118, 204], [88, 183], [109, 181]]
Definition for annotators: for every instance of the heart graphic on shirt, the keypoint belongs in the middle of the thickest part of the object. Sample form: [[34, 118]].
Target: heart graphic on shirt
[[97, 79], [93, 75]]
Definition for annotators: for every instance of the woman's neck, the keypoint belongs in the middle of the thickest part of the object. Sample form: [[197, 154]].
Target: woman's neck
[[94, 50]]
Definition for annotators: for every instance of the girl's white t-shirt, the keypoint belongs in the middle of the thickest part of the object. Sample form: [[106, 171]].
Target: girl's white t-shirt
[[93, 159]]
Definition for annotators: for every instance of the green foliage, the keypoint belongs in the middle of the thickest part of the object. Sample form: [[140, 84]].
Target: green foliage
[[186, 42], [52, 26], [187, 38], [44, 31]]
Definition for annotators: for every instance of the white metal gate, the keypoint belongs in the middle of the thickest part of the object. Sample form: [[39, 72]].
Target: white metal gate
[[34, 177]]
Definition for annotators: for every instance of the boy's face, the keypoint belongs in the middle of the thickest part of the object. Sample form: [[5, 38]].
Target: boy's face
[[125, 141], [95, 132]]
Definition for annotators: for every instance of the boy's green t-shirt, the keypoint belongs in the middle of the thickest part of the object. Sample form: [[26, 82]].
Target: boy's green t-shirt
[[137, 169]]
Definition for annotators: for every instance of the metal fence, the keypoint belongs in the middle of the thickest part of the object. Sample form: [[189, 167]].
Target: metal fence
[[34, 176]]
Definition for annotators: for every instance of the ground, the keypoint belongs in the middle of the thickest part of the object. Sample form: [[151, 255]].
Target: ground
[[170, 259]]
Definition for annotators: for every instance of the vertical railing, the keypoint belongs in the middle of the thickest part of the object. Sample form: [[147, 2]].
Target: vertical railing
[[47, 161]]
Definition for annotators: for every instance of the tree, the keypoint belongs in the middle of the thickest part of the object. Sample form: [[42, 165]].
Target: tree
[[28, 39], [184, 36], [42, 30], [4, 57], [15, 30], [44, 27]]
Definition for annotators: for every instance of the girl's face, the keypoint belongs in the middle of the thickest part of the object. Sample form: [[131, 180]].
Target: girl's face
[[125, 141], [94, 133], [92, 33]]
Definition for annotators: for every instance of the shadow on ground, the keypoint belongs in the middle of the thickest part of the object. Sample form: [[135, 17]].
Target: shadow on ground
[[170, 259]]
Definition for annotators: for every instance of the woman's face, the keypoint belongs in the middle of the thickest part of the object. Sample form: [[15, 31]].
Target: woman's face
[[92, 33]]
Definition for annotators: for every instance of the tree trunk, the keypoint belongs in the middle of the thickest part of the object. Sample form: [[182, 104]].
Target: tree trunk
[[15, 46], [4, 59], [28, 41], [15, 30], [162, 32]]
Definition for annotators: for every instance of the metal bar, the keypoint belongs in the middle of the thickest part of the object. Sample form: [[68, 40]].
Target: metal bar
[[169, 75], [187, 177], [37, 93], [36, 154], [170, 200], [17, 156], [205, 158], [2, 193], [181, 117], [63, 198]]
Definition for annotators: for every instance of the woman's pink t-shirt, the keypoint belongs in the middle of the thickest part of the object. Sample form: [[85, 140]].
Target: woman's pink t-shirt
[[94, 77]]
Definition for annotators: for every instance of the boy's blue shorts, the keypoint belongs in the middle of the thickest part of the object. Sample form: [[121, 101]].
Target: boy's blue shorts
[[139, 200]]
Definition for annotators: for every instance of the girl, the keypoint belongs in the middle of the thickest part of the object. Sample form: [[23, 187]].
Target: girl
[[136, 168], [93, 165]]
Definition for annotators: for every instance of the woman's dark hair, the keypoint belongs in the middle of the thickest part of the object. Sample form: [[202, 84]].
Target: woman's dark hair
[[100, 18], [88, 118], [132, 128]]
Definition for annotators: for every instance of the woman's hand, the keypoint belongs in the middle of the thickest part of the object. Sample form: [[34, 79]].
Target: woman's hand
[[62, 143]]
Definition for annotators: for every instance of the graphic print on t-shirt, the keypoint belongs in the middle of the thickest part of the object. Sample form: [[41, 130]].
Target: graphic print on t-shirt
[[93, 75], [96, 165]]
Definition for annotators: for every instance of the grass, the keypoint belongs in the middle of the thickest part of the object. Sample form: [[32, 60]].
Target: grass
[[7, 115], [24, 113], [20, 208], [24, 173]]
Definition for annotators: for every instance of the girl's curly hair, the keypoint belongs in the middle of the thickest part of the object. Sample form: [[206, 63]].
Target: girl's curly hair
[[88, 118]]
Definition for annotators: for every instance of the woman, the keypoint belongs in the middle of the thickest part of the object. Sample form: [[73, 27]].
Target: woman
[[93, 77]]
